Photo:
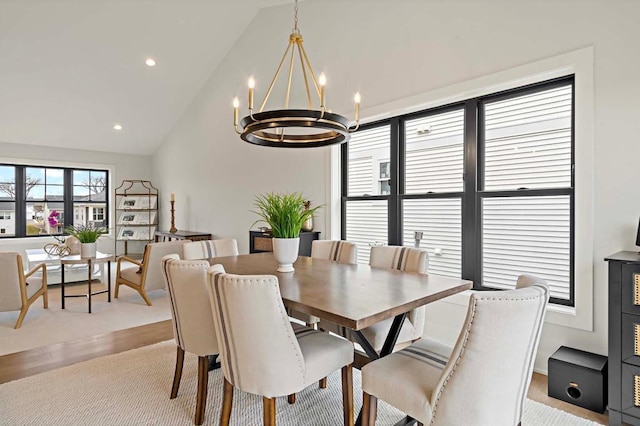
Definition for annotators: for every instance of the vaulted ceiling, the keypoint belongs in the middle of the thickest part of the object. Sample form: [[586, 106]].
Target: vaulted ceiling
[[71, 70]]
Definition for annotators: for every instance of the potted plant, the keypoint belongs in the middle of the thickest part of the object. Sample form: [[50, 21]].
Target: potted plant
[[285, 214], [87, 235]]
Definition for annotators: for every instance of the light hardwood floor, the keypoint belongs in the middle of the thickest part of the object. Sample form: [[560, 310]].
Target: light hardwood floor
[[23, 364]]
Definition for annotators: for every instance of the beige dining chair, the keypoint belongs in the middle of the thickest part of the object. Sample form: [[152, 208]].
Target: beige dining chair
[[344, 252], [192, 320], [499, 339], [406, 259], [262, 354], [146, 276], [208, 249], [20, 290]]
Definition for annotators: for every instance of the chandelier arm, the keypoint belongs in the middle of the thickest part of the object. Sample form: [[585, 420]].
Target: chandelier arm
[[306, 80], [275, 77], [313, 76], [291, 60]]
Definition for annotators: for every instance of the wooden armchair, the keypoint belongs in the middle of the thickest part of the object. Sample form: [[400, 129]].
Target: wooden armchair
[[146, 275], [19, 290]]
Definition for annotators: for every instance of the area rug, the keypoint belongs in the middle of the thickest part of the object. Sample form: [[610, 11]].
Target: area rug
[[44, 327], [132, 388]]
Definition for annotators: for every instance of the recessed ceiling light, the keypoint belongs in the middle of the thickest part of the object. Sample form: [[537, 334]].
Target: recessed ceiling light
[[150, 62], [117, 127]]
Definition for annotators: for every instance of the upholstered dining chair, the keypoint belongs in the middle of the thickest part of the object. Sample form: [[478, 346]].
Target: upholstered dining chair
[[491, 363], [338, 251], [262, 353], [207, 249], [20, 290], [146, 276], [192, 321], [406, 259]]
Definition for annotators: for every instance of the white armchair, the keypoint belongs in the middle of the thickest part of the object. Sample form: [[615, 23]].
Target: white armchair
[[18, 290], [492, 361], [262, 354], [146, 276]]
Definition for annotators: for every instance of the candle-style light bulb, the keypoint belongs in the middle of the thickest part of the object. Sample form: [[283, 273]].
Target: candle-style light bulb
[[357, 100], [236, 105], [322, 81], [252, 85], [173, 197]]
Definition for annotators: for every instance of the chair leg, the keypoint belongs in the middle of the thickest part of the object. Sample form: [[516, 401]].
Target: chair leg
[[322, 383], [347, 394], [269, 411], [45, 299], [227, 401], [23, 313], [115, 291], [201, 398], [369, 409], [178, 372], [291, 399], [144, 296]]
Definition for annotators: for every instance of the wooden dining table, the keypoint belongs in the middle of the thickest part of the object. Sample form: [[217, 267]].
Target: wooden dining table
[[352, 296]]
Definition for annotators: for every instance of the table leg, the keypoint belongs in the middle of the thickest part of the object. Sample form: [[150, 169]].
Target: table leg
[[109, 281], [62, 284], [387, 348], [90, 273]]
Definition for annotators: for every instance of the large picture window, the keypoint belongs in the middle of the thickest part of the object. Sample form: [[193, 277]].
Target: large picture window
[[36, 200], [485, 185]]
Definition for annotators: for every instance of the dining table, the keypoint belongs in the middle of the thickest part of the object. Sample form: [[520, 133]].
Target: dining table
[[352, 296]]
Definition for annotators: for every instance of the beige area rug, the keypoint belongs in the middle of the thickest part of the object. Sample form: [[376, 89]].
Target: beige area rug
[[43, 327], [132, 388]]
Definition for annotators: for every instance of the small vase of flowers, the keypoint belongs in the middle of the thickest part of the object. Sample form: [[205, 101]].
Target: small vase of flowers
[[87, 235]]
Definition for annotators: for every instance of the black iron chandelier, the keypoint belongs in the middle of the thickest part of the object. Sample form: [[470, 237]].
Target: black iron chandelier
[[295, 128]]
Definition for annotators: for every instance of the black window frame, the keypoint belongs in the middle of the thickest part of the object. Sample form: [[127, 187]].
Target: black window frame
[[473, 179], [21, 201]]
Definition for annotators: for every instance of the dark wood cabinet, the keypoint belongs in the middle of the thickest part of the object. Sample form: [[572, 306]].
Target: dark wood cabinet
[[624, 338], [261, 241]]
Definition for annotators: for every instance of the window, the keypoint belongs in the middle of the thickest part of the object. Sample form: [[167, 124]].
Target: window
[[98, 213], [485, 185], [34, 199]]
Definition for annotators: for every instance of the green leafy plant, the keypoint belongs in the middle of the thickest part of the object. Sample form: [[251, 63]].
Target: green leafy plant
[[86, 233], [285, 213]]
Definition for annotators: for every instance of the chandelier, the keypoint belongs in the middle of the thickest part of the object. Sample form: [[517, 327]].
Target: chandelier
[[295, 128]]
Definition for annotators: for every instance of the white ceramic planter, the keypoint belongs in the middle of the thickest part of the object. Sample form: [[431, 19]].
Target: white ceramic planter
[[88, 250], [285, 250]]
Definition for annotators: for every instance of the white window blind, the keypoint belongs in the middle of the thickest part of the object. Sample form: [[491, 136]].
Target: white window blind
[[528, 141], [440, 222], [526, 235], [435, 153], [367, 224]]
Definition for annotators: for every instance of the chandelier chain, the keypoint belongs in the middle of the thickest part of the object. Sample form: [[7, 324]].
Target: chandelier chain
[[295, 18]]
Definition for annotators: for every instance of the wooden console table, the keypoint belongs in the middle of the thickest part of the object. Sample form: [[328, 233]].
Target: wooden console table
[[260, 242], [181, 235]]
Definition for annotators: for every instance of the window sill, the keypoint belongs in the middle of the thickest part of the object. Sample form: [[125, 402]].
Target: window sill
[[565, 316]]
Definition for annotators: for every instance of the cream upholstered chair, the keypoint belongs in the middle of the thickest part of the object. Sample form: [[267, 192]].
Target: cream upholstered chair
[[262, 354], [407, 259], [192, 320], [18, 290], [146, 276], [486, 379], [338, 251], [207, 249]]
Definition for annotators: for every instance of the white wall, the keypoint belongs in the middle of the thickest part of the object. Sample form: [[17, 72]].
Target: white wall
[[120, 166], [390, 51]]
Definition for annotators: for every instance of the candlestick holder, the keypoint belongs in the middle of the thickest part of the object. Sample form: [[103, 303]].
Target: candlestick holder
[[173, 228]]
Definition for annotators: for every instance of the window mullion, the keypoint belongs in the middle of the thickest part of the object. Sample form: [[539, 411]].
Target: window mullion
[[21, 203], [395, 214], [470, 234]]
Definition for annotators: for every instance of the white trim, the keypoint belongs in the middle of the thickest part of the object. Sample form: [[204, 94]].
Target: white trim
[[580, 63]]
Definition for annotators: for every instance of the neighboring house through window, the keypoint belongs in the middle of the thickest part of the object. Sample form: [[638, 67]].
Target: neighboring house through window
[[487, 181]]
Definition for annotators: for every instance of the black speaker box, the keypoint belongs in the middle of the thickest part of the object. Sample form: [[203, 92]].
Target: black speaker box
[[578, 377]]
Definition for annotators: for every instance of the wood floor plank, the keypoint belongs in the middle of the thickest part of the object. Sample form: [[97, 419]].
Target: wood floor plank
[[27, 363]]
